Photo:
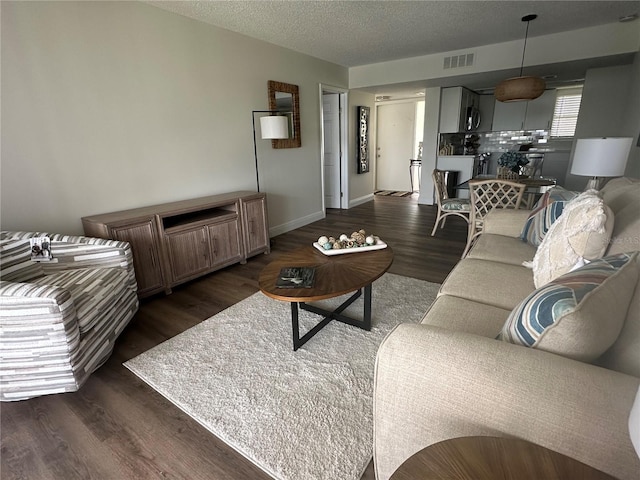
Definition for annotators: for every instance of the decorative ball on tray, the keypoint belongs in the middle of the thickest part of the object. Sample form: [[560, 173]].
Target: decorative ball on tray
[[357, 239]]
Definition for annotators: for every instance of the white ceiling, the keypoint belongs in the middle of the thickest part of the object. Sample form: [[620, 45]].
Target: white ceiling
[[352, 33]]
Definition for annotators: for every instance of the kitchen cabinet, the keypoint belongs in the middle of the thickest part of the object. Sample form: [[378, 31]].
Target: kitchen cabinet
[[532, 115], [179, 241], [456, 105], [486, 112], [540, 111]]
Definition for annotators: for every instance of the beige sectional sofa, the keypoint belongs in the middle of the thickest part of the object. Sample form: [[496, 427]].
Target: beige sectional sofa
[[460, 372]]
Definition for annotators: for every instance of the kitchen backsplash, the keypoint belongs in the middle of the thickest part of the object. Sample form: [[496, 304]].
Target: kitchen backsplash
[[491, 142]]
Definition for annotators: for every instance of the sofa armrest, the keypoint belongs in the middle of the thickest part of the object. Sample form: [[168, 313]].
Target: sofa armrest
[[433, 384], [73, 252], [505, 221], [40, 338]]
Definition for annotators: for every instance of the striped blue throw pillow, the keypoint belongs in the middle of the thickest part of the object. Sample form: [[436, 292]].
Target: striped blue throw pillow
[[578, 315], [544, 213]]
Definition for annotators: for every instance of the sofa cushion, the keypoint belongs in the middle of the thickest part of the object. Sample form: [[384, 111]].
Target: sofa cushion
[[582, 231], [578, 315], [497, 284], [625, 203], [544, 213], [456, 204], [464, 315], [624, 354], [500, 248], [94, 291]]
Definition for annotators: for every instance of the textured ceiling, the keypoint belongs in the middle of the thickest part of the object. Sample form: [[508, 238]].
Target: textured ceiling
[[353, 33]]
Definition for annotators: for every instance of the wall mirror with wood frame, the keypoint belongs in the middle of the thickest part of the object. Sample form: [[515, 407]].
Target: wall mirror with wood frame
[[284, 97]]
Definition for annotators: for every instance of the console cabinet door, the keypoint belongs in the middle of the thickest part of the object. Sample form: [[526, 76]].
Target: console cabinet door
[[188, 253], [224, 240], [256, 235], [146, 257]]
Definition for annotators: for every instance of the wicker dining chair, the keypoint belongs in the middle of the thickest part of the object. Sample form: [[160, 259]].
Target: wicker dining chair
[[487, 195], [447, 206]]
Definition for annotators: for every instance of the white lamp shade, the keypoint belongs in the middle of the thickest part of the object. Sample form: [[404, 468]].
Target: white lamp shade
[[601, 157], [274, 127]]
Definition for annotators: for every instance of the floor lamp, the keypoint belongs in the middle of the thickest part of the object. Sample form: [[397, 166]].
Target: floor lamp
[[272, 126], [600, 157]]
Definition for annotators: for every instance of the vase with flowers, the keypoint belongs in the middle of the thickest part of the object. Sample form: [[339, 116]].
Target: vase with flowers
[[509, 164]]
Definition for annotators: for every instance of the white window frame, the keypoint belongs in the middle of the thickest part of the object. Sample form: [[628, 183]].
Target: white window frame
[[565, 112]]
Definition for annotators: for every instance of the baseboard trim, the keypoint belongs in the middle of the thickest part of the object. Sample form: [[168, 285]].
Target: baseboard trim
[[314, 217], [359, 201], [297, 223]]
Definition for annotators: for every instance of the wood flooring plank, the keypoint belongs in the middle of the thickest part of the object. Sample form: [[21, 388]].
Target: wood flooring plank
[[118, 427]]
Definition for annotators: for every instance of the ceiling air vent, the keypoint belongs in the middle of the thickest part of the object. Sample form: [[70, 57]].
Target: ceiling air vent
[[457, 61]]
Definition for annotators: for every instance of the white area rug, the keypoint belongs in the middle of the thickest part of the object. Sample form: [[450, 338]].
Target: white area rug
[[297, 415]]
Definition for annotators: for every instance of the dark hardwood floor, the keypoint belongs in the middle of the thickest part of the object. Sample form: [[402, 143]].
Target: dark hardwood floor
[[116, 427]]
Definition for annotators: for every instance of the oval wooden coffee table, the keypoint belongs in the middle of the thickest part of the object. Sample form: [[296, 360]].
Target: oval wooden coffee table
[[335, 275], [490, 458]]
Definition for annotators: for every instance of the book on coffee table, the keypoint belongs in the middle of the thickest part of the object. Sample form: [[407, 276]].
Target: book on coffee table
[[296, 277]]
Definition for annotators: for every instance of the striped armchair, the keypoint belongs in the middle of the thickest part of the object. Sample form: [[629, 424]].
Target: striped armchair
[[59, 319]]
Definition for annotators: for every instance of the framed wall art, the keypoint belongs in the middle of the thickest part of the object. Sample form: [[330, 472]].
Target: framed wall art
[[363, 139]]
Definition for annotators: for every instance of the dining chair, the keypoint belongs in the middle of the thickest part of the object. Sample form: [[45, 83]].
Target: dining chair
[[446, 205], [487, 195]]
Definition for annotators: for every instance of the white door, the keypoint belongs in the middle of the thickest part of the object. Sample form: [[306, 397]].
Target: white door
[[331, 120], [396, 130]]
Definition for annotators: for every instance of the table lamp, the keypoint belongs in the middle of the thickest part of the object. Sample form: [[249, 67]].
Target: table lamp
[[600, 157], [271, 127]]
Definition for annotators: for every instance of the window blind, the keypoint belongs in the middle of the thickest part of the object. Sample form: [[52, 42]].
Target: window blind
[[565, 113]]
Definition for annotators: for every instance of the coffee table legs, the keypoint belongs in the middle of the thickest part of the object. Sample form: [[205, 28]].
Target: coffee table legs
[[329, 315]]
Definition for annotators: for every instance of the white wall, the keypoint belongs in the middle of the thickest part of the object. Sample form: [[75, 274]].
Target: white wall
[[430, 144], [115, 105], [603, 110]]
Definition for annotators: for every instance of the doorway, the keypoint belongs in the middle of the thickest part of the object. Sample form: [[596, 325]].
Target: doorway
[[398, 147], [335, 174]]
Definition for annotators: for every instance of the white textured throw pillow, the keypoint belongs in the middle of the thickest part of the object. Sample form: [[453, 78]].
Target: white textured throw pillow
[[583, 231]]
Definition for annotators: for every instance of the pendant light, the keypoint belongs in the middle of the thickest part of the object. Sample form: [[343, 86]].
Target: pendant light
[[521, 88]]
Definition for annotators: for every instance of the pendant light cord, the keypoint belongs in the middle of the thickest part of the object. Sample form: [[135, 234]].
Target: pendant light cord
[[526, 18], [524, 48]]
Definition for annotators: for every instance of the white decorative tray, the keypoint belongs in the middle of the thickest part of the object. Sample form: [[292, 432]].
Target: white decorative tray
[[379, 245]]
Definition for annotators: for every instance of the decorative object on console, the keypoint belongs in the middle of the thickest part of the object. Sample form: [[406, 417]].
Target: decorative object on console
[[521, 88], [363, 139], [578, 315], [272, 126], [284, 98], [600, 157]]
